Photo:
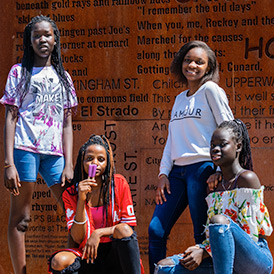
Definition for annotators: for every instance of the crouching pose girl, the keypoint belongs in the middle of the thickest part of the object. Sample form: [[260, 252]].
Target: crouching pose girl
[[100, 217], [238, 219]]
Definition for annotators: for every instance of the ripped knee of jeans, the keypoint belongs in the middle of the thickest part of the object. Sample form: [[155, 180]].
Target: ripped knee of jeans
[[133, 236], [71, 269], [122, 231], [222, 228], [219, 219], [163, 265]]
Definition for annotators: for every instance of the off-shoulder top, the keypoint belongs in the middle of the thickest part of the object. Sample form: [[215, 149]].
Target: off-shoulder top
[[245, 206]]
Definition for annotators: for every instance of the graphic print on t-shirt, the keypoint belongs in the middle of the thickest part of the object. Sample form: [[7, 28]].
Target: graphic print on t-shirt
[[48, 98]]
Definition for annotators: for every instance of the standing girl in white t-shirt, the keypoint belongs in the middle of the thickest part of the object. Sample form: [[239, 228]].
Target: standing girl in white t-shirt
[[38, 97], [186, 164]]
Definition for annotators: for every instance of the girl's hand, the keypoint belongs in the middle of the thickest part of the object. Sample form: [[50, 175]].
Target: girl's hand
[[213, 180], [85, 187], [193, 257], [67, 175], [12, 180], [90, 249], [160, 192]]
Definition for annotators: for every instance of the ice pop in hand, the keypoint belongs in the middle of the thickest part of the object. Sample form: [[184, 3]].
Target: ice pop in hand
[[92, 170]]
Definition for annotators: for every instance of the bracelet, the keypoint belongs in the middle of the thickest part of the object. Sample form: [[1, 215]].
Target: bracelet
[[9, 165], [80, 223], [200, 246], [162, 175]]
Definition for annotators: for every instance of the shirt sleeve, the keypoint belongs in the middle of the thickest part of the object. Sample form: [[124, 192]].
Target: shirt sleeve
[[11, 96], [70, 207], [218, 103], [206, 245], [127, 214], [71, 101], [263, 224], [166, 161]]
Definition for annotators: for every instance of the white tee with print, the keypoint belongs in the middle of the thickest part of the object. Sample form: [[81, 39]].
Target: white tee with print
[[39, 127]]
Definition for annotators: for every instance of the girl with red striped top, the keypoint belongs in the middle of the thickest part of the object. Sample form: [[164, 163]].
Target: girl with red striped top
[[100, 217]]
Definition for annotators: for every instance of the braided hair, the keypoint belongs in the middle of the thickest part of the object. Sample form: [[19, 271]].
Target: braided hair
[[107, 176], [28, 58], [240, 135]]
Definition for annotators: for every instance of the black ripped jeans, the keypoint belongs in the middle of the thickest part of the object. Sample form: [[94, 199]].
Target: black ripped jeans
[[121, 256]]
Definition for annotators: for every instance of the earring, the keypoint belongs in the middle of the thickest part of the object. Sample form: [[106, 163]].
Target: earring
[[103, 177]]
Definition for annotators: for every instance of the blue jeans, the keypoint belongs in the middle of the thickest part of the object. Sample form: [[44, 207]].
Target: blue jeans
[[233, 251], [188, 187], [206, 267]]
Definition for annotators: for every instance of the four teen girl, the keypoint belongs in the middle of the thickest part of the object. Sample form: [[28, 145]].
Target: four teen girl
[[38, 97], [100, 217]]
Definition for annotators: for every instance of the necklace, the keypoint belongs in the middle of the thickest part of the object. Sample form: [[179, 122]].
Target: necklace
[[223, 185], [231, 181]]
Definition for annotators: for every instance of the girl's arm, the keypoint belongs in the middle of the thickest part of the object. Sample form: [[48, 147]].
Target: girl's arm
[[165, 167], [67, 147], [91, 247], [11, 177], [218, 102], [193, 257], [78, 228], [213, 180]]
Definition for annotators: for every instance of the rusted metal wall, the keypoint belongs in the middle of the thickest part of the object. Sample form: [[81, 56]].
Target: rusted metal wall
[[118, 53]]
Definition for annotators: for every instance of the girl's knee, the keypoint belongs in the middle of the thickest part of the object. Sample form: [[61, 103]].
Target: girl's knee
[[164, 266], [166, 261], [122, 231], [20, 223], [156, 230], [62, 260], [23, 225], [219, 219]]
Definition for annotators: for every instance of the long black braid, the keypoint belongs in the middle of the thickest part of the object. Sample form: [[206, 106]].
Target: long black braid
[[107, 177], [28, 58], [240, 133]]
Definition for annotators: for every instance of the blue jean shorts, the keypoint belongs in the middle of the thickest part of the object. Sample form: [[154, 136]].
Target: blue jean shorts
[[28, 165]]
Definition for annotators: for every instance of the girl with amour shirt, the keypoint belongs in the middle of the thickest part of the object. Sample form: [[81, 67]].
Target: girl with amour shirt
[[186, 164]]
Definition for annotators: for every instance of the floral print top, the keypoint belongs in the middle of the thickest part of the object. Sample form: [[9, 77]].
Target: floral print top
[[245, 206], [39, 128]]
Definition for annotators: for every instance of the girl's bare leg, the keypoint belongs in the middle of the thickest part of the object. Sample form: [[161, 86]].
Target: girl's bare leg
[[19, 219]]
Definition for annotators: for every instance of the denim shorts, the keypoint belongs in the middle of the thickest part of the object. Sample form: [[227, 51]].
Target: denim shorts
[[28, 165]]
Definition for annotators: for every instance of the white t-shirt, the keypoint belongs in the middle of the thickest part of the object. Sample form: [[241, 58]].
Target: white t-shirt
[[39, 128], [193, 120]]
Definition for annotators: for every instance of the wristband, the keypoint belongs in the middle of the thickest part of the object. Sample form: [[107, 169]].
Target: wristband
[[200, 246], [162, 175], [9, 165], [80, 223]]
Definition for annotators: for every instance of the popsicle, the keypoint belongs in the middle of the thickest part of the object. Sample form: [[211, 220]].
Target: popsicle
[[92, 170]]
